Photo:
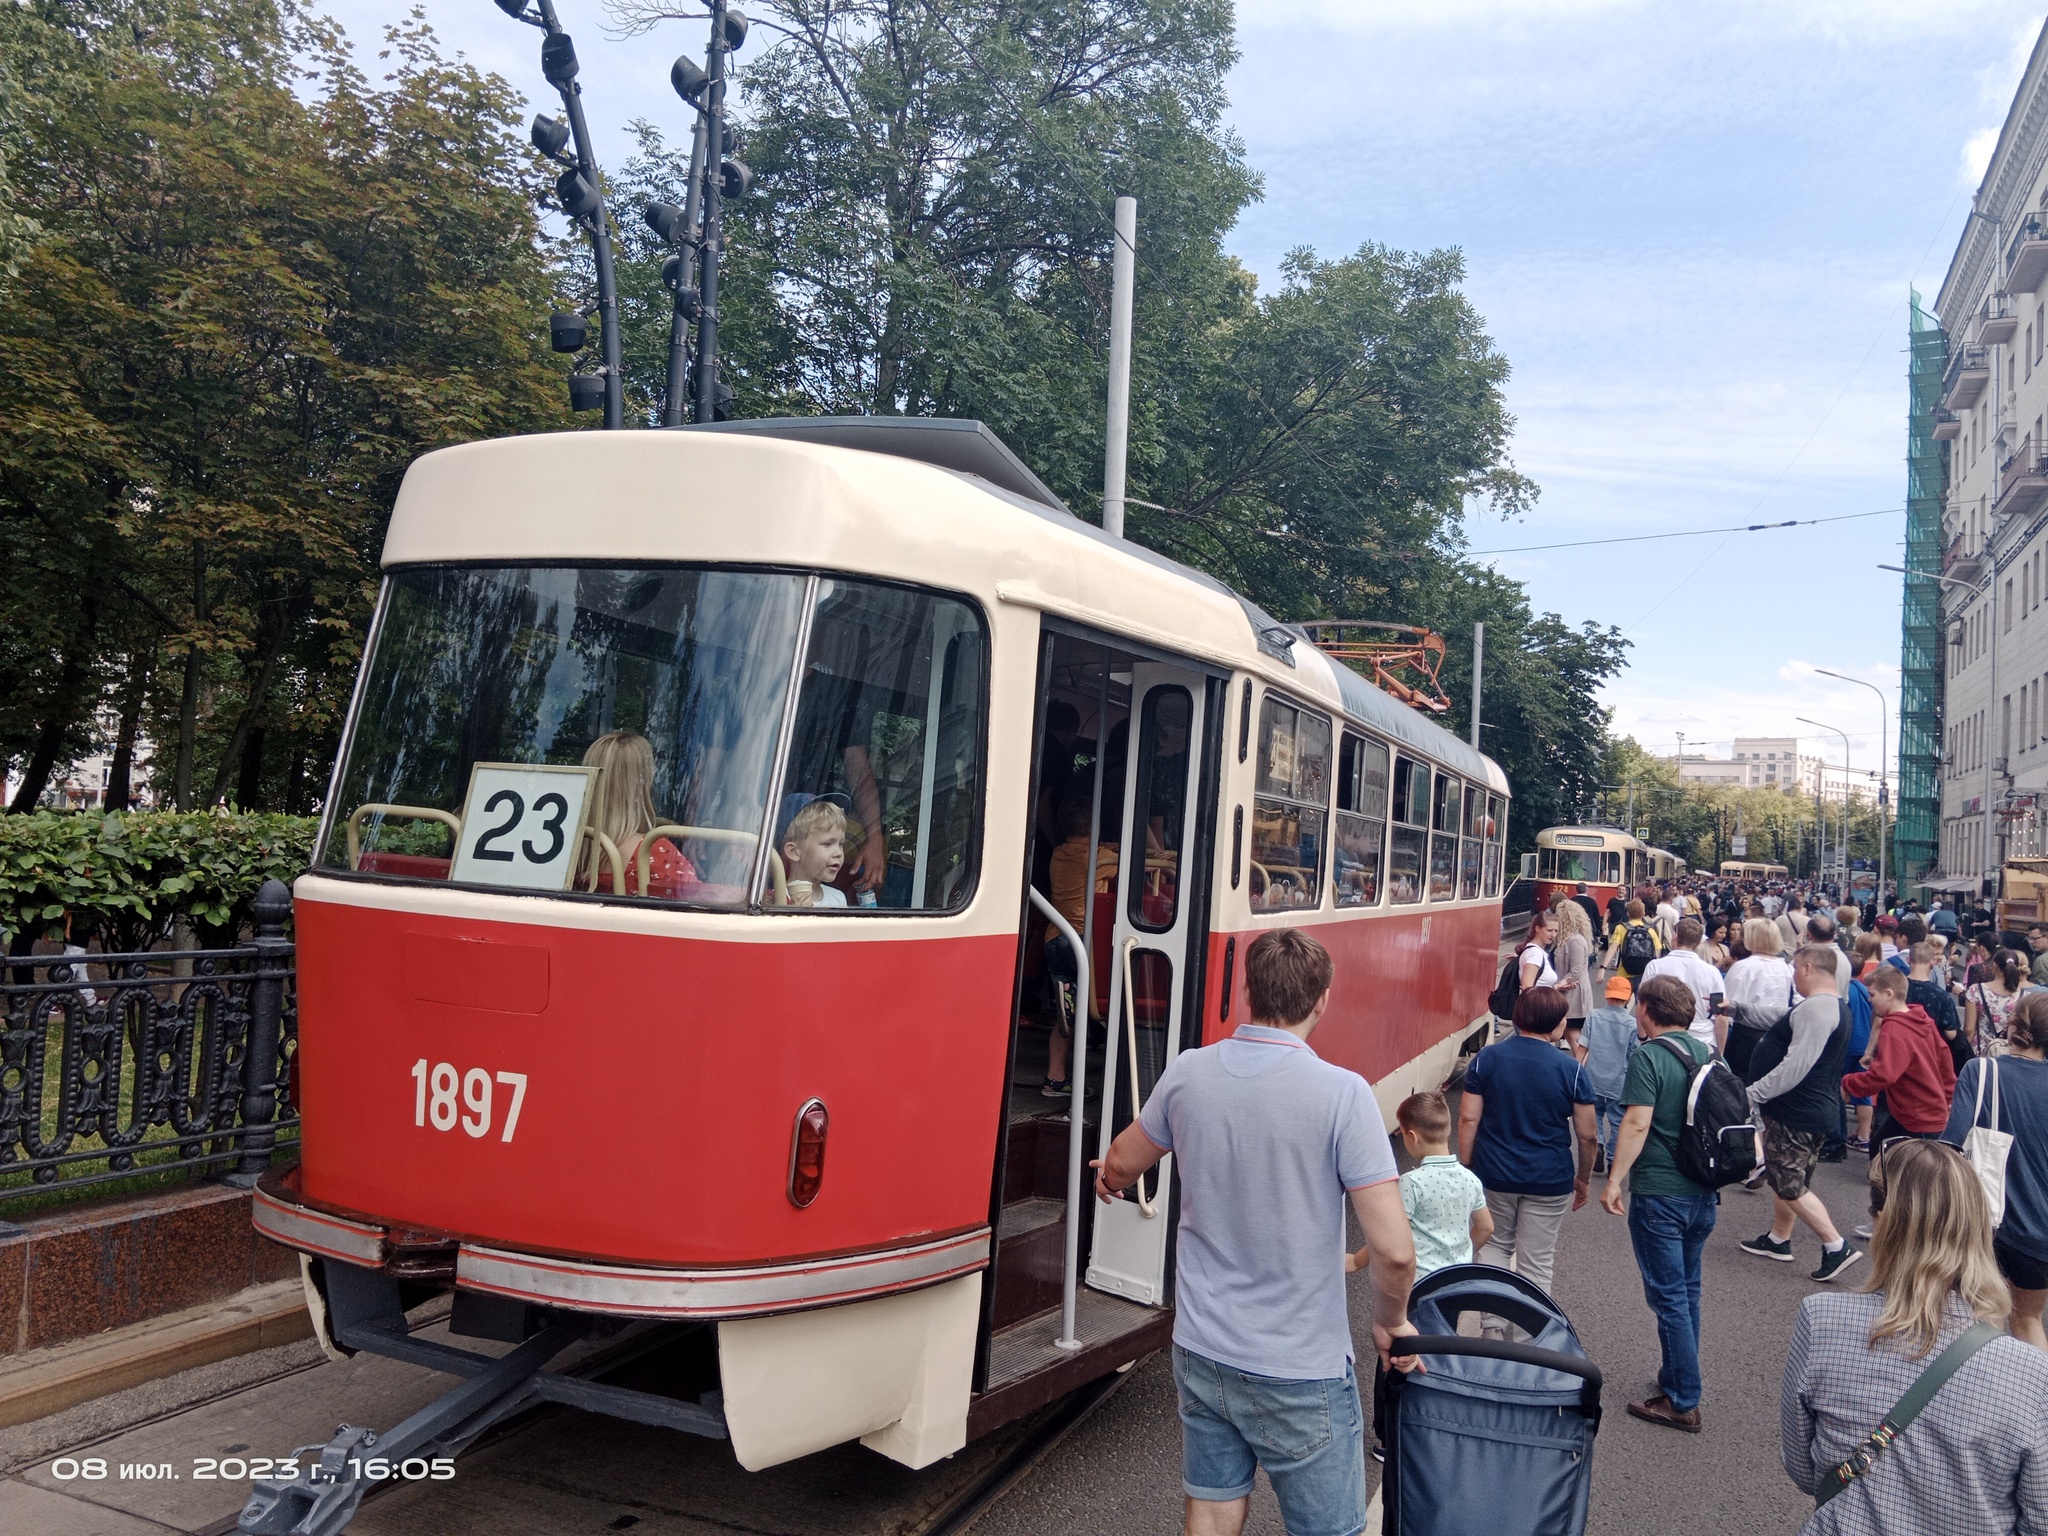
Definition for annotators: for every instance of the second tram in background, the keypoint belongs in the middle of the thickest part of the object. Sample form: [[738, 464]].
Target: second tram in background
[[1606, 860]]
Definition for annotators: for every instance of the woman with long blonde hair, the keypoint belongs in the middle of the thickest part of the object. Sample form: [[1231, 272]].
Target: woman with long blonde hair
[[1975, 1460], [624, 812], [1571, 953]]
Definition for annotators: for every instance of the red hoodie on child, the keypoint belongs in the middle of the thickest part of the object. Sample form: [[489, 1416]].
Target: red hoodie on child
[[1912, 1069]]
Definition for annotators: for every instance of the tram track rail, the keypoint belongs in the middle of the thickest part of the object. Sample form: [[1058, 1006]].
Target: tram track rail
[[955, 1516]]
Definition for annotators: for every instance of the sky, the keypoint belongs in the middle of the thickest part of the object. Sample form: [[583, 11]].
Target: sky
[[1690, 228]]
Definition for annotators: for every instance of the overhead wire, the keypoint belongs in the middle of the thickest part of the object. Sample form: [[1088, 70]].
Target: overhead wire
[[1687, 533]]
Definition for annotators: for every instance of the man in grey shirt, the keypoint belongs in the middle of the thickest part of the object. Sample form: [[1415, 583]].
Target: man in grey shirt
[[1268, 1140], [1798, 1091]]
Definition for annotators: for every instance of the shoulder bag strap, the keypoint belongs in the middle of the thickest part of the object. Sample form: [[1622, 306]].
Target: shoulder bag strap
[[1906, 1410]]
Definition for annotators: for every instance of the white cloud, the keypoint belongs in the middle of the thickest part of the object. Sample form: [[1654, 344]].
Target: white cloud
[[1977, 155]]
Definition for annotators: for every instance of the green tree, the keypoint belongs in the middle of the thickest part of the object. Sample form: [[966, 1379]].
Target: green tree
[[247, 311], [930, 233]]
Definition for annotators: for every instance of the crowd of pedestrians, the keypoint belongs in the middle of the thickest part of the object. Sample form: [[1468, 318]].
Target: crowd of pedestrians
[[1916, 1040]]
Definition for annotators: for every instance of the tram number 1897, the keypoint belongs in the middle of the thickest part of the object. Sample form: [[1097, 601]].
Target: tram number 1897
[[435, 1102]]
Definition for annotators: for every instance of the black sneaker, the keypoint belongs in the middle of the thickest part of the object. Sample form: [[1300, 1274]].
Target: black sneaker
[[1056, 1088], [1832, 1264], [1378, 1453], [1768, 1247]]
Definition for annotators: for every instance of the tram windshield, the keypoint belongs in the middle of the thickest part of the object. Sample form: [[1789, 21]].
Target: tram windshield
[[620, 730]]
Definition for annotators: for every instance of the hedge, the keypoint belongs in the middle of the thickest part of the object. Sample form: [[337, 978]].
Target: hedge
[[126, 879]]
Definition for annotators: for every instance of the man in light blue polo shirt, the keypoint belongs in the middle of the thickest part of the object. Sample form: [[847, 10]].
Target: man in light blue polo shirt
[[1269, 1139]]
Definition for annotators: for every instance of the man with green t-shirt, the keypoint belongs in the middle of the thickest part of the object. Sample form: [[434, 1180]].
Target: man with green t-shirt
[[1669, 1216]]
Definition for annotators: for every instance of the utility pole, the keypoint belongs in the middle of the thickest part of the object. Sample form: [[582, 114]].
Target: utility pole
[[1478, 665], [1116, 439]]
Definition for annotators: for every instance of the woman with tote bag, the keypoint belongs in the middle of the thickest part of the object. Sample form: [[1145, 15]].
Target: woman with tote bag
[[2002, 1097], [1905, 1407]]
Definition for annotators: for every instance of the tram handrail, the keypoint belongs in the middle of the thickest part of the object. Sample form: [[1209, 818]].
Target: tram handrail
[[709, 835], [1131, 1040], [409, 812], [1077, 1083], [603, 848]]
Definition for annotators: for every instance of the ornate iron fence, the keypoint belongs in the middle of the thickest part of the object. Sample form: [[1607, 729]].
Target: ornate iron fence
[[114, 1065]]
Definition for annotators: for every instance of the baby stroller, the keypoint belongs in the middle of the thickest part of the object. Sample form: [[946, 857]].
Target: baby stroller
[[1493, 1437]]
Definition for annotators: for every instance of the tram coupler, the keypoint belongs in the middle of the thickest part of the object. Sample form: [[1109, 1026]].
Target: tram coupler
[[365, 1315]]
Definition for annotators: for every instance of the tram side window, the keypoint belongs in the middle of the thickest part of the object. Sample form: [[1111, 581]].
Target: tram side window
[[1446, 813], [1470, 844], [1361, 821], [888, 730], [1496, 830], [1290, 808], [1408, 847]]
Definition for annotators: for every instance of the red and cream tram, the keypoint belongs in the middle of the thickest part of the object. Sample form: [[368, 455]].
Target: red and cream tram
[[673, 948], [1606, 860]]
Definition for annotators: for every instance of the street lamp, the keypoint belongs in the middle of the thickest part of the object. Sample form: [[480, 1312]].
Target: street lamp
[[580, 192], [696, 231], [1884, 757], [1820, 787], [1987, 870]]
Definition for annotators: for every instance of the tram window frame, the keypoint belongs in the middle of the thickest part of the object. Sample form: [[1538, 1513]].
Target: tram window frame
[[1496, 844], [1173, 841], [970, 692], [1361, 824], [1408, 835], [1291, 801], [1446, 807]]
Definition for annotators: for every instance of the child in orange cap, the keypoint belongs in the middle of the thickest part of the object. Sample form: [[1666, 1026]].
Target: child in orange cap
[[1610, 1040]]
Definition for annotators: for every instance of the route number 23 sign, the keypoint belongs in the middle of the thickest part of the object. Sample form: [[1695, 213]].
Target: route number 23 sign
[[522, 825]]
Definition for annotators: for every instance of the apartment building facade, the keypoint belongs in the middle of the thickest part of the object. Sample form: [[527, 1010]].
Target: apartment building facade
[[1779, 762], [1993, 415]]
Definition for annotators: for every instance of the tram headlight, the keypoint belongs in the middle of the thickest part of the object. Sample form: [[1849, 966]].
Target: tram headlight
[[807, 1153]]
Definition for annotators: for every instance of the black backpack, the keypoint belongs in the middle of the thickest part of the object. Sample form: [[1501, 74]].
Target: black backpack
[[1638, 948], [1720, 1143], [1501, 1001]]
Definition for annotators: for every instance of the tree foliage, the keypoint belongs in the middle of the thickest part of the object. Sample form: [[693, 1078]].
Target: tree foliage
[[1696, 821], [930, 233], [246, 311]]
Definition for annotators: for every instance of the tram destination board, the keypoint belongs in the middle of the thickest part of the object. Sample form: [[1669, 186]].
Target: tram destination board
[[522, 824]]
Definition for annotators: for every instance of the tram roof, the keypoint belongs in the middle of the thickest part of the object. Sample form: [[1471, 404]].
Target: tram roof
[[930, 501]]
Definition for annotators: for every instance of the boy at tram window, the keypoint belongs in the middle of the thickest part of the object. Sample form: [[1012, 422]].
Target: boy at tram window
[[813, 848]]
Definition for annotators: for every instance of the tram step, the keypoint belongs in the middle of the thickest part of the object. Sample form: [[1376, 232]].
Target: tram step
[[1036, 1167], [1031, 1246], [1027, 1368]]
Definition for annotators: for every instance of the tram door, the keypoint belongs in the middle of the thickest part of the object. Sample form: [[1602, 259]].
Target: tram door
[[1151, 943]]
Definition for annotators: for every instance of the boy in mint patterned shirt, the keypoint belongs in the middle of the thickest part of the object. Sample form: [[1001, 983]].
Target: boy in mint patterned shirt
[[1445, 1201], [1447, 1212]]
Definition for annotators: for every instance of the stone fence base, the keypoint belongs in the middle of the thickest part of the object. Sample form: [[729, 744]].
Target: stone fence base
[[78, 1271]]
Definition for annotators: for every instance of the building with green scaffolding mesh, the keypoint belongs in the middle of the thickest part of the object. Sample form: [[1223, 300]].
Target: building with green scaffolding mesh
[[1916, 835]]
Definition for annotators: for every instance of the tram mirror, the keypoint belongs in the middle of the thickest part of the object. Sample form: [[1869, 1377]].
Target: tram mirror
[[523, 824]]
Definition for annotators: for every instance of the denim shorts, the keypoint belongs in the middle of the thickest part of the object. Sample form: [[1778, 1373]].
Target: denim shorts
[[1308, 1435]]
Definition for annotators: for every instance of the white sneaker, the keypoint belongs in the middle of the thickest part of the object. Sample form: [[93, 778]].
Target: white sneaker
[[1864, 1232]]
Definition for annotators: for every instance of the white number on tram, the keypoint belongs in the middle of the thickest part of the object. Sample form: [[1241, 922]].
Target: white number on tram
[[435, 1100]]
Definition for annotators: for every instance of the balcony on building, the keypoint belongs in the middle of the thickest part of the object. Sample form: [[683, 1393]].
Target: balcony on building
[[1968, 372], [2026, 257], [1963, 562], [1948, 426], [1997, 322], [2022, 482]]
